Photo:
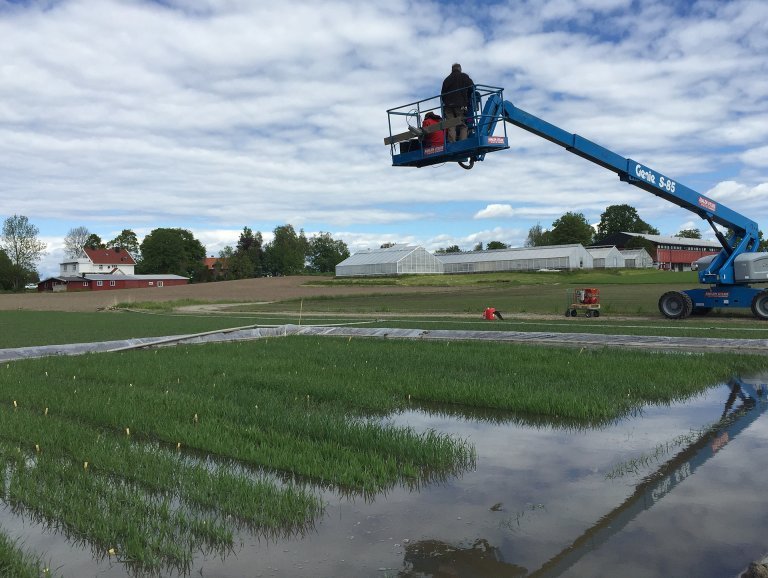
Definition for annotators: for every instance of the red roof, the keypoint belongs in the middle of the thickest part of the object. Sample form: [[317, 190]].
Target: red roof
[[116, 256], [210, 262]]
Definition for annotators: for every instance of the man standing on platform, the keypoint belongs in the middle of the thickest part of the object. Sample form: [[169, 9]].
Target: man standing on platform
[[457, 89]]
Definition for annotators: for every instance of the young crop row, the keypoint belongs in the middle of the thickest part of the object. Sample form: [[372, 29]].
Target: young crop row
[[15, 562], [148, 506]]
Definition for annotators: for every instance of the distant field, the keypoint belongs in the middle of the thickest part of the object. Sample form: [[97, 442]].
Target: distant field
[[512, 297], [26, 328], [577, 278], [529, 301]]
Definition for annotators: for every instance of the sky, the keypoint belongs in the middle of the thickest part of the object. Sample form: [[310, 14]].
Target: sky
[[213, 115]]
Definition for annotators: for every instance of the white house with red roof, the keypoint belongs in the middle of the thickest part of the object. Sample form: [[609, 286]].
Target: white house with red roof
[[104, 269], [114, 261]]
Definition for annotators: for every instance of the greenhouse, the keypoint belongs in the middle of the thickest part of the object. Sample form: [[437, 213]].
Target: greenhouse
[[395, 260], [637, 258], [554, 257], [606, 257]]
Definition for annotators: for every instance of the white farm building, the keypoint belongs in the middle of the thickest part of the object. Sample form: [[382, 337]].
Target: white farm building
[[560, 257], [396, 260], [606, 257], [637, 258]]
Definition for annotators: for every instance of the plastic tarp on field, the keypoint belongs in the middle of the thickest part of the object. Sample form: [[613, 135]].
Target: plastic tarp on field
[[656, 343]]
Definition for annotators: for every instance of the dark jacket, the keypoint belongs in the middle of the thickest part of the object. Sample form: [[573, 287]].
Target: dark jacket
[[456, 81]]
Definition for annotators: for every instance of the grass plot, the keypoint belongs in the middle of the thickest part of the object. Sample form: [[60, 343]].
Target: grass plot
[[154, 456]]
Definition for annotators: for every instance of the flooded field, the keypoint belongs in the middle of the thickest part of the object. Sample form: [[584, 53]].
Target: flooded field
[[657, 494]]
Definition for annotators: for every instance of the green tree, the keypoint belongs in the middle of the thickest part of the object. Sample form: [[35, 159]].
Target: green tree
[[763, 244], [689, 234], [94, 242], [537, 237], [622, 219], [571, 228], [325, 253], [240, 266], [286, 254], [7, 272], [478, 246], [451, 249], [172, 251], [75, 240], [496, 245], [221, 268], [20, 243], [249, 255], [127, 240]]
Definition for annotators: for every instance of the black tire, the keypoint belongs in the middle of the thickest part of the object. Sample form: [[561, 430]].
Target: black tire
[[596, 313], [688, 304], [588, 313], [675, 305], [760, 305], [573, 313]]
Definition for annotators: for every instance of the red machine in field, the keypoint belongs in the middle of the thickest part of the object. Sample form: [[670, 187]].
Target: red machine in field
[[586, 299]]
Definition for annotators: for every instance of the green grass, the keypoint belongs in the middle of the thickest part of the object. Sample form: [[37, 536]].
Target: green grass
[[185, 445], [586, 278], [16, 563], [544, 299], [25, 328]]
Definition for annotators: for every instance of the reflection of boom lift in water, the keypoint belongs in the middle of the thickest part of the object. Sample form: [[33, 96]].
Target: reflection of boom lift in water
[[734, 419], [729, 273], [744, 405]]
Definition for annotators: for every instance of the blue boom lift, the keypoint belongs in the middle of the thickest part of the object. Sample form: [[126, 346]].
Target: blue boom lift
[[729, 274]]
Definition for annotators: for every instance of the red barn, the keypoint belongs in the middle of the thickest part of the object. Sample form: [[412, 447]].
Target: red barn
[[673, 253], [100, 282]]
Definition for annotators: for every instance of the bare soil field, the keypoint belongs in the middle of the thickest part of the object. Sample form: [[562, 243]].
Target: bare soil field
[[245, 290]]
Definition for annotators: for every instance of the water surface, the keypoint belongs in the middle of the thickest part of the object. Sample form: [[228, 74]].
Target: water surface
[[645, 496]]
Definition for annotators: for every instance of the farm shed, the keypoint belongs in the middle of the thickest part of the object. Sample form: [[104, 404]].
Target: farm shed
[[637, 258], [606, 257], [561, 257], [109, 282], [395, 260], [674, 253]]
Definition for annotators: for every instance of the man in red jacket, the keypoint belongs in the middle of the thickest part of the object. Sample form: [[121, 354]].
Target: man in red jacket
[[432, 139], [457, 88]]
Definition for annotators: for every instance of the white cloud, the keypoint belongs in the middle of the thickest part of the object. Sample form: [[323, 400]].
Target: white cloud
[[756, 157], [495, 211]]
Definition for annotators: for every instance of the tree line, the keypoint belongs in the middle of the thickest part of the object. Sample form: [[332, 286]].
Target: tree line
[[175, 251], [289, 253]]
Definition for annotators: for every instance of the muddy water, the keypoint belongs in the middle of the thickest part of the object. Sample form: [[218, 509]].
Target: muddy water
[[647, 496]]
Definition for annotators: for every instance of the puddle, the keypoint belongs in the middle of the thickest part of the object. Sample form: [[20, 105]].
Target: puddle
[[646, 496]]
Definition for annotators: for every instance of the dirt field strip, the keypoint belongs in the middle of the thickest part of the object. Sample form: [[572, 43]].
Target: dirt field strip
[[260, 290]]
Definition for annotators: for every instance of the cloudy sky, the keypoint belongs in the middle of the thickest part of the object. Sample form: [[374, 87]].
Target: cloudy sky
[[212, 115]]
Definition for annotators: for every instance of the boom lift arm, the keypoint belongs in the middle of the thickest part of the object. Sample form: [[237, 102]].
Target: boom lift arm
[[729, 273]]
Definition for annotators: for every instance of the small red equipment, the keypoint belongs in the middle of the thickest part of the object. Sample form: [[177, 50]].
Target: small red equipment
[[490, 314], [586, 299]]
